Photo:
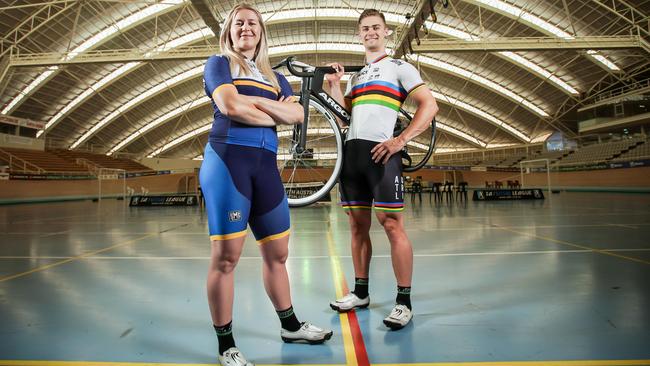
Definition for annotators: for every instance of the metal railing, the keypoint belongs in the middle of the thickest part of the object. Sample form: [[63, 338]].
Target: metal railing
[[16, 163], [91, 166]]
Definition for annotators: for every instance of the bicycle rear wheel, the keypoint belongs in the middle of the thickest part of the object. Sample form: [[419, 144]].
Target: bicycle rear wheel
[[416, 153], [311, 174]]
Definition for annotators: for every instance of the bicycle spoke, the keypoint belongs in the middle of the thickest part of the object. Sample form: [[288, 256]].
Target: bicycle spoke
[[321, 138], [312, 173]]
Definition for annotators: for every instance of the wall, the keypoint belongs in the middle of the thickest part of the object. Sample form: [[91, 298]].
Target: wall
[[50, 190], [21, 142], [169, 164], [32, 190], [632, 178]]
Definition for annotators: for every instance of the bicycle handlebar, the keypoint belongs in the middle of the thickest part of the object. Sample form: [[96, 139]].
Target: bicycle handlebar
[[290, 66], [290, 63]]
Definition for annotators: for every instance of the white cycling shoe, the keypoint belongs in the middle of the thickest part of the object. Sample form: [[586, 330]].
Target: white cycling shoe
[[233, 357], [398, 317], [308, 333], [349, 302]]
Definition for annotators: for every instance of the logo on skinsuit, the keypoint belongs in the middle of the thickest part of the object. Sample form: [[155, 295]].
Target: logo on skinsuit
[[234, 216]]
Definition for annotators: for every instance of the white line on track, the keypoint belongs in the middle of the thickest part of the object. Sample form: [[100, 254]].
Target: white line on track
[[326, 257]]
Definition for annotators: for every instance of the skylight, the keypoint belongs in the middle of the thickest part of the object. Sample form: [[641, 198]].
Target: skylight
[[165, 117], [541, 25], [92, 41], [180, 139], [482, 114], [469, 75], [166, 84]]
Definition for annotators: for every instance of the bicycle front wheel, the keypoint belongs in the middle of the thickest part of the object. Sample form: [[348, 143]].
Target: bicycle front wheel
[[309, 173]]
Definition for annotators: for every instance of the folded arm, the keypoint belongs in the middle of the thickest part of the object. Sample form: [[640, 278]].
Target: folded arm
[[240, 107], [283, 111]]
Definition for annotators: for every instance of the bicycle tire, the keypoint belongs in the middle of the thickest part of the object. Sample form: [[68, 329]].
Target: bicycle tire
[[416, 161], [305, 182]]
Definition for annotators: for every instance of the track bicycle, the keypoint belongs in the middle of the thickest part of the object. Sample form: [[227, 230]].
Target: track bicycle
[[310, 155]]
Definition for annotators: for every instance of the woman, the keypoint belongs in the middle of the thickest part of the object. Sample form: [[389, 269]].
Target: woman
[[240, 179]]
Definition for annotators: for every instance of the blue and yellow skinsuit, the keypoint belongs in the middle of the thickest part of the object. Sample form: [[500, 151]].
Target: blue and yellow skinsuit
[[239, 175]]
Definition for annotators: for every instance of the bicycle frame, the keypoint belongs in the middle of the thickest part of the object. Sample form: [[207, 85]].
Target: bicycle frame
[[312, 85]]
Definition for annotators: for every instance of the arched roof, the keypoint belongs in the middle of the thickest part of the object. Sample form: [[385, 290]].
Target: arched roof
[[125, 77]]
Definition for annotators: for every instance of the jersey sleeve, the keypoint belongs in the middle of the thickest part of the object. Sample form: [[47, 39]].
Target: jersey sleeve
[[348, 87], [409, 77], [285, 88], [216, 74]]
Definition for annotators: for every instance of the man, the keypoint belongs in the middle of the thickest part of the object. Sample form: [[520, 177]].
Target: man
[[372, 167]]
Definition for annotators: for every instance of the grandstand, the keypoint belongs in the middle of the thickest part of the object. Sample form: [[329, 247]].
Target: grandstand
[[512, 160], [63, 161], [599, 153], [75, 161], [36, 161], [636, 148], [100, 160], [552, 156], [638, 151]]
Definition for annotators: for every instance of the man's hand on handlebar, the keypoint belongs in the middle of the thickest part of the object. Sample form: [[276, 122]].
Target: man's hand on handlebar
[[335, 78]]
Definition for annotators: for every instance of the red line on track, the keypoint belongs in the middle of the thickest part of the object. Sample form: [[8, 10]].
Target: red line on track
[[355, 331], [357, 339]]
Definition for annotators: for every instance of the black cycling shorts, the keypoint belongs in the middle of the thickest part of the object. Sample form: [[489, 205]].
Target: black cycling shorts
[[364, 182]]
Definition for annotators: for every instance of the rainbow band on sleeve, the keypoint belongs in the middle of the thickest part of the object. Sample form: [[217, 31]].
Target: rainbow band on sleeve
[[379, 92]]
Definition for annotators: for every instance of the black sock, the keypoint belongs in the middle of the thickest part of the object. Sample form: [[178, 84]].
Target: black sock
[[360, 287], [404, 296], [224, 336], [288, 319]]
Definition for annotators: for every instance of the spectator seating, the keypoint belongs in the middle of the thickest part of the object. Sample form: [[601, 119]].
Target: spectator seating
[[44, 160], [637, 152], [102, 161], [59, 161], [599, 153]]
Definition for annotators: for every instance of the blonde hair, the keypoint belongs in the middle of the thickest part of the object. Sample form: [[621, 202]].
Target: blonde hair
[[261, 56]]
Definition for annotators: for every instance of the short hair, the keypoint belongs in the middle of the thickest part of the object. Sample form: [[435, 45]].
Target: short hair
[[370, 13]]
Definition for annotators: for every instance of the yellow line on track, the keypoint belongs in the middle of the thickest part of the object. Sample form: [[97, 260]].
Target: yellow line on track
[[600, 251], [337, 271], [81, 256]]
